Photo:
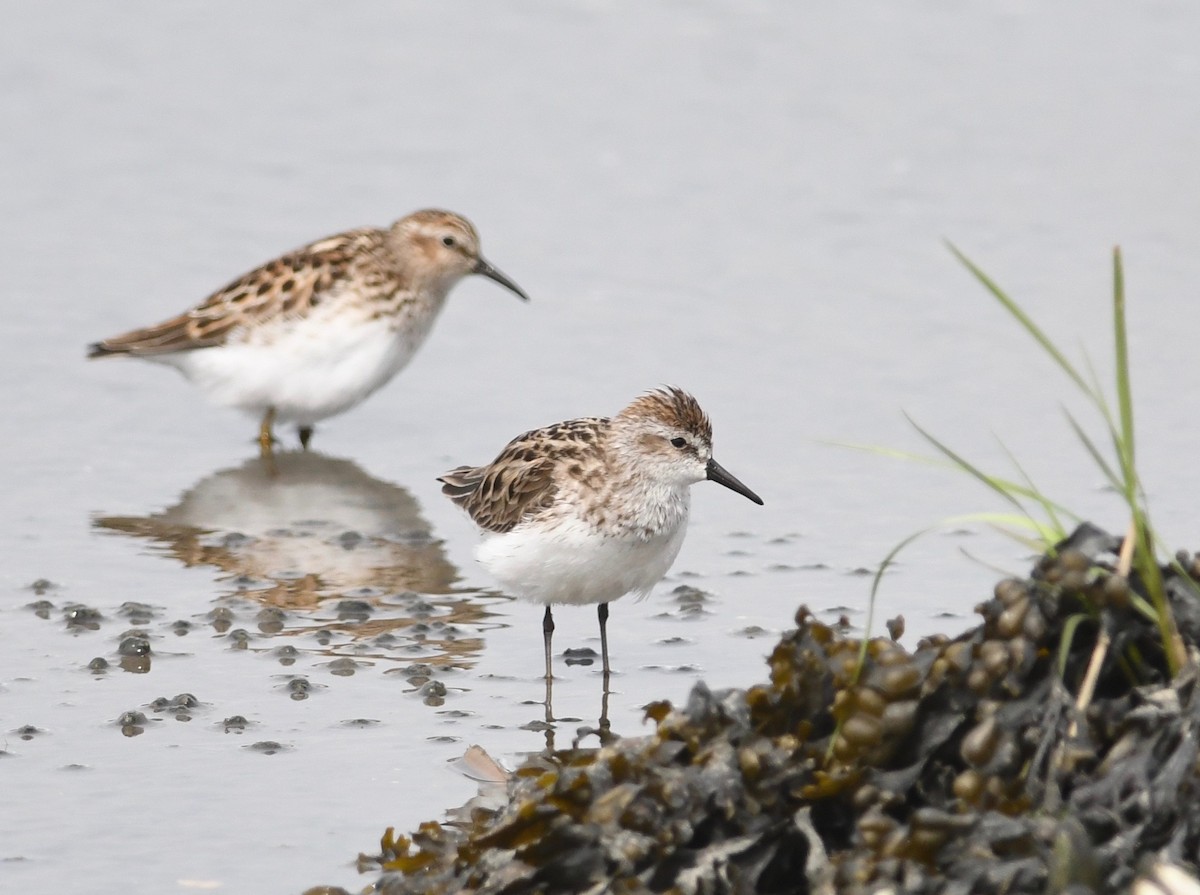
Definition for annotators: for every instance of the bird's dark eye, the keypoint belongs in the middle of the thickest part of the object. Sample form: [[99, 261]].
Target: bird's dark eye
[[679, 442], [448, 241]]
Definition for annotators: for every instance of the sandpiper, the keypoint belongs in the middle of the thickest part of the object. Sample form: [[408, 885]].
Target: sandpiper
[[588, 510], [314, 332]]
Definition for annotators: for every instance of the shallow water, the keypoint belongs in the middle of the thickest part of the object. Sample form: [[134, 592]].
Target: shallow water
[[746, 201]]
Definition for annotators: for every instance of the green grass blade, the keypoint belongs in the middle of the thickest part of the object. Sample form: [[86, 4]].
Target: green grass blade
[[1185, 575], [1098, 458], [1144, 559], [1047, 505], [1025, 320], [1065, 639], [966, 466], [1044, 536], [875, 584], [1018, 489], [1098, 398], [1138, 602], [1122, 476], [1124, 390], [861, 662]]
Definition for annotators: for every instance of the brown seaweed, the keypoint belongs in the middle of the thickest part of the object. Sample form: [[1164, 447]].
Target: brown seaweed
[[964, 766]]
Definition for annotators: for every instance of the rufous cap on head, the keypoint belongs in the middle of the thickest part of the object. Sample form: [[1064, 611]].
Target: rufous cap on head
[[672, 406]]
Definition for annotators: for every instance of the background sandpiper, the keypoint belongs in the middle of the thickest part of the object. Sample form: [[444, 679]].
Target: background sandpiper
[[314, 332]]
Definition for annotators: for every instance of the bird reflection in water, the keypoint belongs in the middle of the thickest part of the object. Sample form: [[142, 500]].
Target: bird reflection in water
[[311, 534]]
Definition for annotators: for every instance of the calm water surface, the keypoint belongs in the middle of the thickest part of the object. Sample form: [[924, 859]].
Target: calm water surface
[[743, 199]]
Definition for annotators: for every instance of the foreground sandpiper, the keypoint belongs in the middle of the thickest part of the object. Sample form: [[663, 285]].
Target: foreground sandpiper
[[314, 332], [588, 510]]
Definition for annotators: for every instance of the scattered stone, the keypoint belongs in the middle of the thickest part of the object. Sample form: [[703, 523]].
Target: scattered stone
[[350, 539], [179, 707], [221, 618], [234, 724], [134, 645], [751, 632], [419, 608], [41, 608], [354, 610], [417, 674], [580, 655], [132, 723], [267, 747], [432, 689], [271, 619], [343, 666], [299, 688], [78, 616], [137, 613], [685, 594]]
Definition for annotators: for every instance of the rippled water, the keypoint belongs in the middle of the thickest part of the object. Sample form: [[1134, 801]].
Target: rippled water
[[747, 200]]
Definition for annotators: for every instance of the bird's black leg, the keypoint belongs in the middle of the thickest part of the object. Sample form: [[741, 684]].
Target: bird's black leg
[[547, 632], [602, 612], [305, 436]]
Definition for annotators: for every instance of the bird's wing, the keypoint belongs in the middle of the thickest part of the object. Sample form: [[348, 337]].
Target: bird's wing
[[524, 478], [288, 287]]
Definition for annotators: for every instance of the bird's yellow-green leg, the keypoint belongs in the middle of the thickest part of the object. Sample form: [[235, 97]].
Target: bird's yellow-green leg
[[266, 440]]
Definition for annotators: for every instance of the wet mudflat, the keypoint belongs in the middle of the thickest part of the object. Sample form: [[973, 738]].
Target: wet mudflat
[[308, 689], [748, 203]]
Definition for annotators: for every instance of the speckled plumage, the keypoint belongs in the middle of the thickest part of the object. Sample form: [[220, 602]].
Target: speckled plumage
[[314, 332], [588, 510], [526, 477]]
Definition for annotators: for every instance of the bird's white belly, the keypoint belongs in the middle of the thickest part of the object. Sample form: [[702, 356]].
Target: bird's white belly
[[307, 370], [571, 563]]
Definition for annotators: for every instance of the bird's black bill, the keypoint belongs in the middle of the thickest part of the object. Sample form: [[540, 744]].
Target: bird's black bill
[[486, 270], [717, 473]]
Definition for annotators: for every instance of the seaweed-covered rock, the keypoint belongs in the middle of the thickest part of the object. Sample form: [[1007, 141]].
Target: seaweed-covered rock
[[964, 766]]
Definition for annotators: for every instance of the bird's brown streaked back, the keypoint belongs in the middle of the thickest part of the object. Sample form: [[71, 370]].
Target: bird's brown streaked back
[[521, 481], [290, 286]]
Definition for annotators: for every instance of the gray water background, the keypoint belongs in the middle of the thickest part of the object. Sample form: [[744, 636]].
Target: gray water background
[[745, 199]]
